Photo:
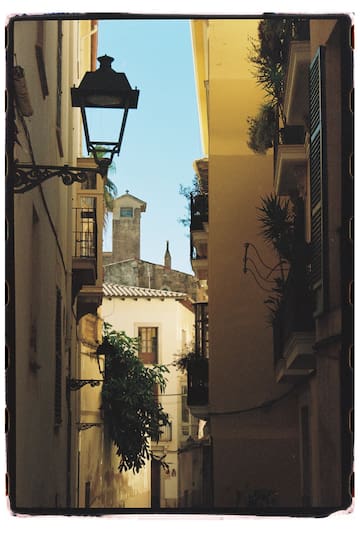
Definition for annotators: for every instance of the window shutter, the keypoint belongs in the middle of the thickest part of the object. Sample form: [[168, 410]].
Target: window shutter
[[318, 180], [58, 358]]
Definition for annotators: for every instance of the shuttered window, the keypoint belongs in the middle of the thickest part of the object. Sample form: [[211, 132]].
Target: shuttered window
[[58, 358], [148, 346], [59, 60], [318, 181]]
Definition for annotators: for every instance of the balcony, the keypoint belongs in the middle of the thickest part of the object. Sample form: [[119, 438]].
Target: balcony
[[199, 217], [198, 386], [201, 329], [294, 330], [296, 94], [84, 248], [290, 159], [88, 300], [198, 365]]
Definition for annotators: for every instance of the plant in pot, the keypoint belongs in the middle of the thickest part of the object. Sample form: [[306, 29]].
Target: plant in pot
[[268, 56]]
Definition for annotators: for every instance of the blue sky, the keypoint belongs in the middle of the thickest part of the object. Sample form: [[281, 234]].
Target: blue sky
[[162, 137]]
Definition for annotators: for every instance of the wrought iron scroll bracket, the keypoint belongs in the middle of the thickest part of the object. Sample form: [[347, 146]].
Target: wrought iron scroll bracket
[[76, 384], [28, 176], [82, 426]]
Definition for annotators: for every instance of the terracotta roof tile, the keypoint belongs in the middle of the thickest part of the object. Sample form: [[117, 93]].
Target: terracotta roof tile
[[112, 289]]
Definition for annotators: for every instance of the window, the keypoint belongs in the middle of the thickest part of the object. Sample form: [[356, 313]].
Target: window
[[148, 345], [35, 289], [184, 407], [58, 358], [59, 88], [318, 183], [39, 51], [201, 329], [85, 228], [126, 212]]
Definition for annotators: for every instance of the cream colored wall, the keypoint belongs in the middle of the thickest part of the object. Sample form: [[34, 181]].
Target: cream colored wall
[[237, 180], [241, 373], [171, 317], [41, 448]]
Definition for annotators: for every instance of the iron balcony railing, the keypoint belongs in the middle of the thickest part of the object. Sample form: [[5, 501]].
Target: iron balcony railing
[[298, 30], [84, 233], [197, 368], [199, 214], [286, 135], [295, 313], [199, 211], [198, 381], [201, 329]]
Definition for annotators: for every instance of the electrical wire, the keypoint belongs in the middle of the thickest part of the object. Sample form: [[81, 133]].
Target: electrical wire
[[257, 282], [263, 405], [257, 271], [257, 253]]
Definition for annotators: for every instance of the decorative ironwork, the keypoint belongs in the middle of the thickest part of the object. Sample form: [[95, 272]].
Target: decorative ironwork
[[28, 176], [82, 426], [76, 384]]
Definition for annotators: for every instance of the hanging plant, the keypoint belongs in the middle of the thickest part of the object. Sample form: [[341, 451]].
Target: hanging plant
[[182, 362], [132, 414], [261, 130], [268, 56]]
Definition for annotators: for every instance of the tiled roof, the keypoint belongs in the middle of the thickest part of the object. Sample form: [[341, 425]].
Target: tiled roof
[[112, 289]]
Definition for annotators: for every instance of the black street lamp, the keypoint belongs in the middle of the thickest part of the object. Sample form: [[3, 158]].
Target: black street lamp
[[105, 89]]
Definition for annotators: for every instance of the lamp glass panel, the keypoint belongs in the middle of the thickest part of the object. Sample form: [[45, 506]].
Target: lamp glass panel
[[104, 124]]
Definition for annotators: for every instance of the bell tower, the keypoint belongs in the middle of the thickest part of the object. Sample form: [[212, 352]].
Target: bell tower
[[127, 211]]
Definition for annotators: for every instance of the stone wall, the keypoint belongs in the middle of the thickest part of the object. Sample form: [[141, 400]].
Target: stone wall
[[138, 273]]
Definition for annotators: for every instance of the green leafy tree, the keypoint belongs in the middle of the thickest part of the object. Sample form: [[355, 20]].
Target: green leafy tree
[[110, 189], [132, 414], [187, 192]]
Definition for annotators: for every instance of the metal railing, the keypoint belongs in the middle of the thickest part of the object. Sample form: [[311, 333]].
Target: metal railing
[[295, 313], [199, 214], [201, 329], [198, 381], [84, 233], [286, 135], [199, 211]]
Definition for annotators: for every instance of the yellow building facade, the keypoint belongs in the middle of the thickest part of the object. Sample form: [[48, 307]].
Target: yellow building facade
[[277, 404], [54, 269], [252, 447]]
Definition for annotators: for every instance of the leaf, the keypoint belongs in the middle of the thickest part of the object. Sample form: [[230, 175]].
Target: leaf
[[131, 411]]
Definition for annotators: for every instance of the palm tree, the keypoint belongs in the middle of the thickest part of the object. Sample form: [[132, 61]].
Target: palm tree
[[110, 189]]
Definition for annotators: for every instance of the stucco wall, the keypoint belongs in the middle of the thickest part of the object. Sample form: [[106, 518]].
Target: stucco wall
[[175, 323], [41, 266], [144, 274], [247, 451]]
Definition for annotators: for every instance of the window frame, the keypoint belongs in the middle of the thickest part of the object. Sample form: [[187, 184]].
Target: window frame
[[126, 209], [148, 357]]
